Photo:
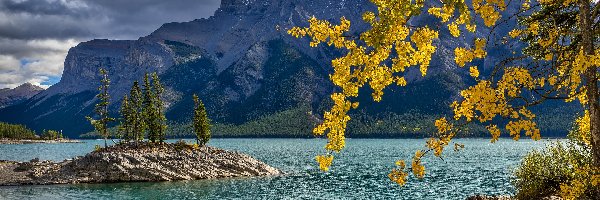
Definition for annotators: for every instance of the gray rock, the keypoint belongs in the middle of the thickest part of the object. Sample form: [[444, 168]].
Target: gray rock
[[485, 197], [143, 163]]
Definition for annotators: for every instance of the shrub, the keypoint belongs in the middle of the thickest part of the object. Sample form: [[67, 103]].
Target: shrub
[[51, 135], [181, 145], [542, 172], [561, 168], [97, 148]]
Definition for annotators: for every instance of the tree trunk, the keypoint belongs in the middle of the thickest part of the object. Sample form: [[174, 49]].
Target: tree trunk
[[594, 115], [591, 79]]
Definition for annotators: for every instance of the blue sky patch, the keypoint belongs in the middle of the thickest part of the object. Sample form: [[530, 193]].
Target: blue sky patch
[[51, 80]]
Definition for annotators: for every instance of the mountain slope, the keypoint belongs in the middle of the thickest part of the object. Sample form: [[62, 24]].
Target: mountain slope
[[19, 94], [242, 64]]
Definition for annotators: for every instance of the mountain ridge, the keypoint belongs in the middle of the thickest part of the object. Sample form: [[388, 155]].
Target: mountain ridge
[[241, 62], [18, 94]]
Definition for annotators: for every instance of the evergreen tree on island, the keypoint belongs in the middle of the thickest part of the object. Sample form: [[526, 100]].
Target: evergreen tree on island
[[159, 125], [132, 125], [147, 107], [201, 122], [126, 126], [135, 118], [153, 115], [101, 108], [142, 111]]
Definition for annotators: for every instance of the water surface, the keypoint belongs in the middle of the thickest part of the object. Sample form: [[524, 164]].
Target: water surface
[[359, 172]]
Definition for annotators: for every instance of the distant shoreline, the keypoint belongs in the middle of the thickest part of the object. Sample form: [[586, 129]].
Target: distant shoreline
[[13, 141]]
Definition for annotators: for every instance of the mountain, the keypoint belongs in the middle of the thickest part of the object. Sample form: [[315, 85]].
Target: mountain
[[243, 65], [19, 94]]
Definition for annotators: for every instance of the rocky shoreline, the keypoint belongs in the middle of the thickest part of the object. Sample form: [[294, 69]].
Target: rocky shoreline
[[136, 163], [485, 197], [9, 141]]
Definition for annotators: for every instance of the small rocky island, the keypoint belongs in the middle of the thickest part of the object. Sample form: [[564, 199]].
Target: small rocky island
[[37, 141], [134, 159], [142, 162]]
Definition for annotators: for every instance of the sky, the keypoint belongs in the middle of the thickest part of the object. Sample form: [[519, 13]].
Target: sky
[[35, 35]]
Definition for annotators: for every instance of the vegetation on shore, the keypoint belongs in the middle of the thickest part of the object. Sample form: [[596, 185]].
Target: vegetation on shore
[[16, 131], [20, 132], [51, 135], [560, 169], [298, 123]]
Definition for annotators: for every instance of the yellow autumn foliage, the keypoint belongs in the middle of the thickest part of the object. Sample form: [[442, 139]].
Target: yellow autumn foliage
[[379, 56], [324, 161]]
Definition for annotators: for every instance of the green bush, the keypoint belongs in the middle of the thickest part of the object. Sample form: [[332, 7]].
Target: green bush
[[542, 172], [51, 135], [15, 131]]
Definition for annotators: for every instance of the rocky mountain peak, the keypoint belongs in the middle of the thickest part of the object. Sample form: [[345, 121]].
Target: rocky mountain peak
[[19, 94], [245, 5], [28, 87]]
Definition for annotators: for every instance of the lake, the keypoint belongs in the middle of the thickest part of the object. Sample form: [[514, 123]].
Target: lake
[[359, 172]]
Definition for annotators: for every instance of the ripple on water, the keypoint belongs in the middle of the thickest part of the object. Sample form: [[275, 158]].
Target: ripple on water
[[359, 172]]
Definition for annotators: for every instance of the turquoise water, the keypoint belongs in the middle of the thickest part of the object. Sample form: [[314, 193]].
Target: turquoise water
[[360, 172]]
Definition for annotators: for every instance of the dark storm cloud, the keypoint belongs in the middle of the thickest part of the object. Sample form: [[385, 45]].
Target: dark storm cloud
[[41, 7], [35, 35], [28, 49], [136, 19], [121, 19]]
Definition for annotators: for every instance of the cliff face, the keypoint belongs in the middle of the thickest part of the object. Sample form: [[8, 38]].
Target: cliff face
[[17, 95], [240, 62]]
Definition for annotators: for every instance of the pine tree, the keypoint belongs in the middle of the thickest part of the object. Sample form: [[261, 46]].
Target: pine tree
[[148, 111], [126, 126], [136, 117], [101, 108], [201, 122], [142, 111], [159, 119]]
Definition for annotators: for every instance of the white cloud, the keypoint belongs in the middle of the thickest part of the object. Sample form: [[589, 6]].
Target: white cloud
[[8, 62], [35, 35], [38, 67]]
